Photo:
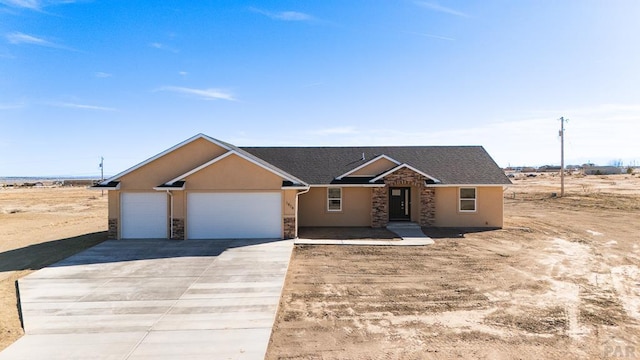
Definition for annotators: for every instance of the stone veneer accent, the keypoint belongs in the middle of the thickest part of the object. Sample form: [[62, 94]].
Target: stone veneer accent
[[289, 226], [427, 206], [112, 232], [379, 207], [403, 178], [178, 229]]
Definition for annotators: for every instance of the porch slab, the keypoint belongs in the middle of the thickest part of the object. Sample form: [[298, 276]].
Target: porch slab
[[407, 235], [370, 242]]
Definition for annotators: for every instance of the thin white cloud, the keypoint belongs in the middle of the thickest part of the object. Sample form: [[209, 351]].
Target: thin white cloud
[[206, 94], [183, 73], [164, 47], [439, 8], [22, 38], [82, 106], [432, 36], [27, 4], [19, 38], [102, 75], [36, 5], [284, 15], [318, 83]]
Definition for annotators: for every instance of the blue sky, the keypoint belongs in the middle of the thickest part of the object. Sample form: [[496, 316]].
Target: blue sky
[[127, 79]]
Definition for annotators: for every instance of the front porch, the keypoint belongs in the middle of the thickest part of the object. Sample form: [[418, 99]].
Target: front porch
[[421, 207]]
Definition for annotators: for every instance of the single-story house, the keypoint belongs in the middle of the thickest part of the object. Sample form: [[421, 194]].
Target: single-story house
[[204, 188], [602, 170]]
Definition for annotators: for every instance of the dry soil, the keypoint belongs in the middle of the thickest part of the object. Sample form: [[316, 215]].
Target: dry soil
[[560, 281]]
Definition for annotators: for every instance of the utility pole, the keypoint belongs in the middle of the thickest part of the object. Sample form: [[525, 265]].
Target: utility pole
[[562, 121], [102, 172]]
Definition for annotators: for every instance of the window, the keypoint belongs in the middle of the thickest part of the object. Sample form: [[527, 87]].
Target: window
[[334, 199], [467, 199]]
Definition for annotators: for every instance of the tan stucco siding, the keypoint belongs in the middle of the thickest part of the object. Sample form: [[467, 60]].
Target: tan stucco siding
[[356, 208], [114, 204], [489, 208], [415, 204], [375, 168], [171, 165], [289, 202], [179, 204], [233, 173]]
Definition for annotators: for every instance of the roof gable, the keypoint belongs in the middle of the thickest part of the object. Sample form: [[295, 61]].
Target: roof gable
[[403, 166], [373, 161], [169, 150], [242, 155]]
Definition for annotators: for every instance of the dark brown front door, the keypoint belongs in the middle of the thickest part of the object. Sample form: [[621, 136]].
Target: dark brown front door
[[399, 204]]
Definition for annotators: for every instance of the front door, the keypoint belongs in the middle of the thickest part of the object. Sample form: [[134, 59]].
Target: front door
[[399, 205]]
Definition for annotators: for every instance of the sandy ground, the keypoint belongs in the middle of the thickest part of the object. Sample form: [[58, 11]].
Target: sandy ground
[[561, 280], [40, 226]]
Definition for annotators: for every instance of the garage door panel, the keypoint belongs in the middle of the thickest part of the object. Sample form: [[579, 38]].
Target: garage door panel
[[234, 215], [143, 215]]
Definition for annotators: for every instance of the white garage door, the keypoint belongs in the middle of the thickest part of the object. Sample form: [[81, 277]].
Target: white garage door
[[234, 215], [144, 215]]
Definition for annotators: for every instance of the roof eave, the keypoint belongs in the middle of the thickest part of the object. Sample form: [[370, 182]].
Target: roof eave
[[159, 155], [465, 185], [106, 186]]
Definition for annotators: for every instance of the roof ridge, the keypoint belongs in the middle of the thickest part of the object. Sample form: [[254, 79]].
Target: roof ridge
[[359, 147]]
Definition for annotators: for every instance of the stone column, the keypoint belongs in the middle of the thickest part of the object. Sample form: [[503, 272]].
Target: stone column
[[178, 229], [379, 208], [289, 226], [112, 232], [427, 206]]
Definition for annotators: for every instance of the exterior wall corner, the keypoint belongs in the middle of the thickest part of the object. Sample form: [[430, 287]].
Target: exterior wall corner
[[177, 229], [427, 206], [379, 207], [289, 227], [112, 230]]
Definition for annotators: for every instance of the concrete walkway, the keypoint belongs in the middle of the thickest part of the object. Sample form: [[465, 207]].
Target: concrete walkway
[[154, 299]]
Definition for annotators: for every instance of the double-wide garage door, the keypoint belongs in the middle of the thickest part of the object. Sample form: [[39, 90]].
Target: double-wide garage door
[[234, 215]]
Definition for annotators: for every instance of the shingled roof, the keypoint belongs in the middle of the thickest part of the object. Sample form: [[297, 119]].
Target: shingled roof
[[449, 164]]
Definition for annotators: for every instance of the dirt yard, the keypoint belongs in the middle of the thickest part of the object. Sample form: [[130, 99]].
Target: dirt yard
[[40, 226], [560, 281]]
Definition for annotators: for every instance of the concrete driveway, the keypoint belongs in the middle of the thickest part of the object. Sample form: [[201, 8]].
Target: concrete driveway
[[154, 299]]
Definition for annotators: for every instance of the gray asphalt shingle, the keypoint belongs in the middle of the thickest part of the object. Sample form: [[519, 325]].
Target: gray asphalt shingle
[[449, 164]]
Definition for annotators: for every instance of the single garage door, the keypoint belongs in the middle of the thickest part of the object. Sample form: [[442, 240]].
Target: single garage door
[[144, 215], [234, 215]]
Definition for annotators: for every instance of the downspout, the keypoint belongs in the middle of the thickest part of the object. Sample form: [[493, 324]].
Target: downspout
[[170, 214], [298, 194]]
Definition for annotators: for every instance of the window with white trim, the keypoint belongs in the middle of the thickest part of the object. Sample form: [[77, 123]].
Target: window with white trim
[[334, 199], [467, 201]]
